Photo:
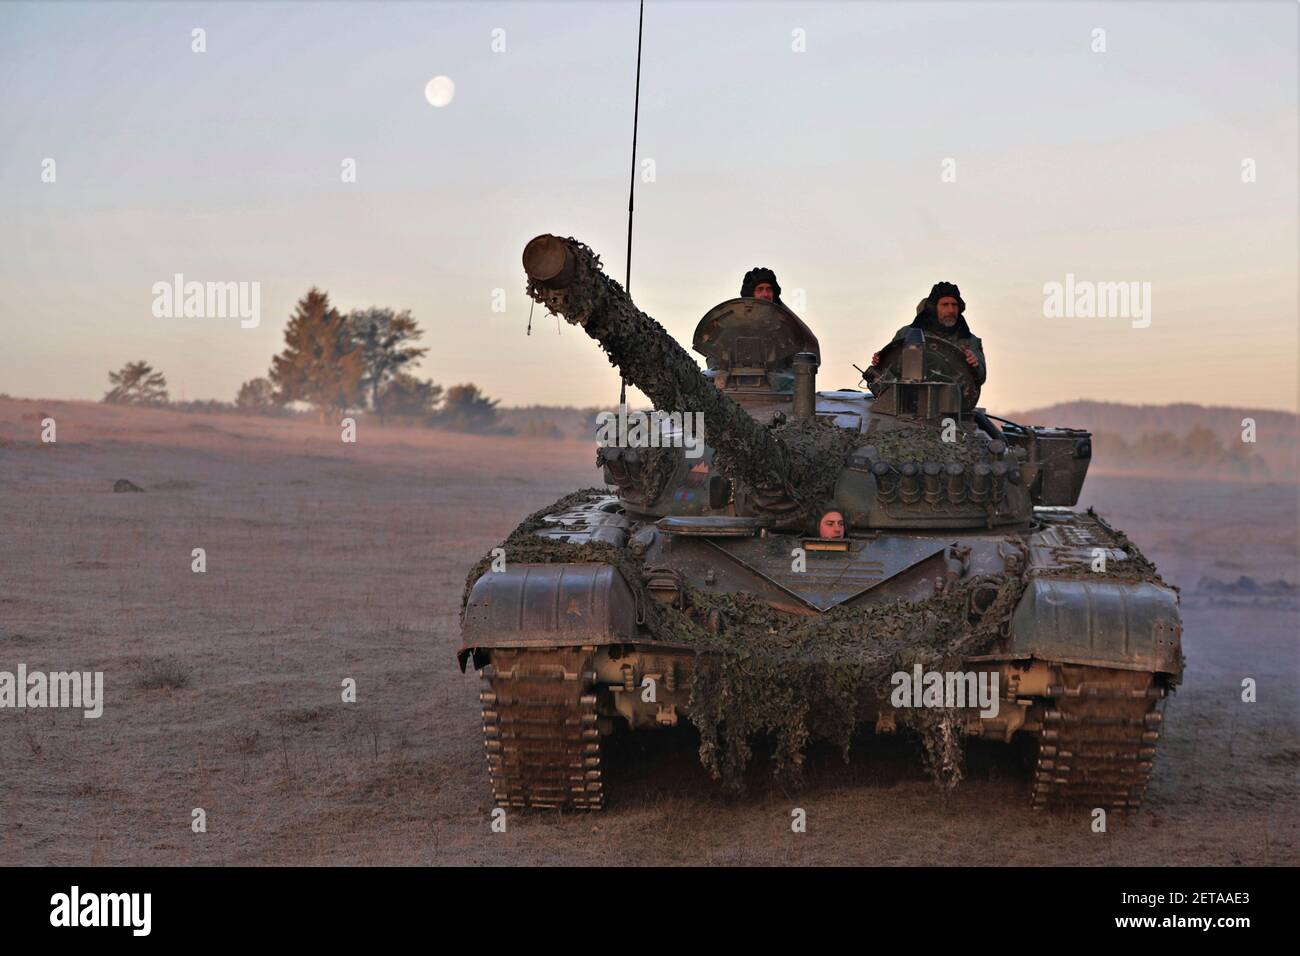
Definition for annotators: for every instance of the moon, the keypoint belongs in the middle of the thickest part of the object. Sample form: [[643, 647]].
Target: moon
[[439, 91]]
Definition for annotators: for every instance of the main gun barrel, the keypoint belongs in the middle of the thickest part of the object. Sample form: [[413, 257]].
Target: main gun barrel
[[566, 277]]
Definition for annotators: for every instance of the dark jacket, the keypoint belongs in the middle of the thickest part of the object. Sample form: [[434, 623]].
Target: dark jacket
[[960, 334]]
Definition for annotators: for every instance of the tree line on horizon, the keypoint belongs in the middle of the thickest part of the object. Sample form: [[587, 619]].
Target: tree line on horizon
[[335, 363]]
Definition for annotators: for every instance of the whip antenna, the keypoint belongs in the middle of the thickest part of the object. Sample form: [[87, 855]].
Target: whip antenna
[[631, 189]]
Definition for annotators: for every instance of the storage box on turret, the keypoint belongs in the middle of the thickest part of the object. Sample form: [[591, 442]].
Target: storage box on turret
[[1057, 463]]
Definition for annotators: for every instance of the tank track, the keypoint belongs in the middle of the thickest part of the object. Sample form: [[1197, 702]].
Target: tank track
[[540, 728], [1098, 739]]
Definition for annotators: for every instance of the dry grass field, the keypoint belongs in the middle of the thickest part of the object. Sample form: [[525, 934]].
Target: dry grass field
[[328, 561]]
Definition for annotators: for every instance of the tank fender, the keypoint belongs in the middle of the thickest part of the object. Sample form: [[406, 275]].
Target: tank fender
[[1134, 626], [541, 605]]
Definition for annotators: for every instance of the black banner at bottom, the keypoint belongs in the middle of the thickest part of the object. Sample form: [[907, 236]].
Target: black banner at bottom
[[364, 904]]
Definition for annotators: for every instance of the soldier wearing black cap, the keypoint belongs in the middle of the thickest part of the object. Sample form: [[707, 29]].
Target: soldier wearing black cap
[[942, 314], [760, 283]]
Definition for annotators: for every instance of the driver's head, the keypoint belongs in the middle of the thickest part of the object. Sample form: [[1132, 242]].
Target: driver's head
[[946, 301], [760, 283], [831, 524]]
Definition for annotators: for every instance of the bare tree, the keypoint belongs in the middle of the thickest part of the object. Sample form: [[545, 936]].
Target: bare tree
[[136, 383]]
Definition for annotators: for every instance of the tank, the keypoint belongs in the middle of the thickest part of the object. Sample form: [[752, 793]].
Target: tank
[[961, 595]]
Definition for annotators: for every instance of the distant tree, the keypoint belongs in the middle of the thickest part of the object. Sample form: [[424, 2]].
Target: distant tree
[[1161, 447], [407, 395], [384, 337], [467, 409], [1202, 445], [320, 364], [136, 383], [258, 396], [541, 428]]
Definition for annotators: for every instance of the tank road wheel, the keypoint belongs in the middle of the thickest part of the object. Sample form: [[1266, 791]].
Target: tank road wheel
[[540, 728], [1098, 739]]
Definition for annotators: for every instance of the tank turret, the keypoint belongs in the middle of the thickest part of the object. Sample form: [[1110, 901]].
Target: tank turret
[[786, 475], [918, 453]]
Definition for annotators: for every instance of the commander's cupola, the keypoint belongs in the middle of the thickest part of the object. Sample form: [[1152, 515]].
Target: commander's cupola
[[917, 391], [762, 355]]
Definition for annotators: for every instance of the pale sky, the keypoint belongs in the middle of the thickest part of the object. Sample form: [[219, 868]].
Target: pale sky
[[225, 166]]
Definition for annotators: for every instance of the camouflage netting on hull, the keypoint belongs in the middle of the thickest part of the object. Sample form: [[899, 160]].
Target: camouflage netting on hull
[[798, 463], [800, 677], [1136, 568], [821, 450], [923, 443], [522, 546]]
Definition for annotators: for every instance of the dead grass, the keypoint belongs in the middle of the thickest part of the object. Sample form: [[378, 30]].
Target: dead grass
[[164, 674], [328, 561]]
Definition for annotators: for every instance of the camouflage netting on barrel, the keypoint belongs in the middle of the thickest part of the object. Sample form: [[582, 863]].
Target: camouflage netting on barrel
[[794, 467], [656, 468], [796, 678]]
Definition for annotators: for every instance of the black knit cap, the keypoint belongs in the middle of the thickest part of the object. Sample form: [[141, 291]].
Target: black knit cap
[[942, 289], [758, 275], [927, 312]]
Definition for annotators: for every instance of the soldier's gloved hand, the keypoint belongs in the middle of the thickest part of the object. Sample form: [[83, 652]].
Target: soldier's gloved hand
[[971, 360], [875, 359]]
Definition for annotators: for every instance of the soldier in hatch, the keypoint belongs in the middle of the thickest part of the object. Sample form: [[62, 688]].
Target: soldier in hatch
[[831, 524], [942, 314], [760, 283]]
